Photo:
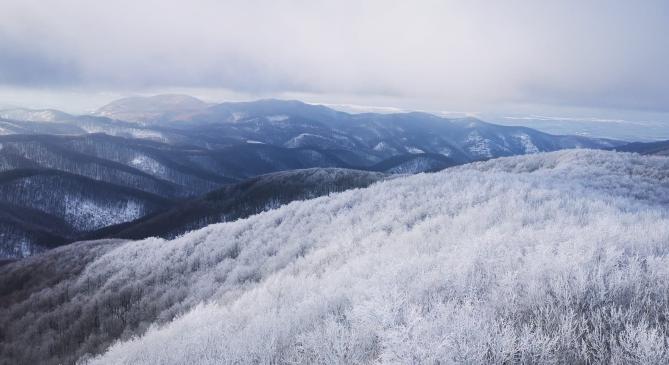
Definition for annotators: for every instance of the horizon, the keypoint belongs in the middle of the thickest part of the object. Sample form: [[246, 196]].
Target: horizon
[[502, 62], [584, 124]]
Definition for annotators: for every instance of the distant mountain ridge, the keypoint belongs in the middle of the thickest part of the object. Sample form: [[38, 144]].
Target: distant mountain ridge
[[179, 148], [373, 137], [649, 148], [366, 138], [152, 108], [34, 115]]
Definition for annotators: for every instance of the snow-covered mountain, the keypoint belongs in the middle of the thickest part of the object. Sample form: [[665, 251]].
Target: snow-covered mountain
[[149, 109], [34, 115], [546, 258], [366, 138], [360, 140]]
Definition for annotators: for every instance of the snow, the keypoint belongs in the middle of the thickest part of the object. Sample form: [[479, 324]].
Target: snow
[[304, 138], [478, 145], [277, 118], [147, 134], [25, 248], [414, 166], [29, 115], [414, 150], [148, 165], [85, 214], [383, 146], [254, 142], [526, 142], [446, 151], [551, 258], [237, 116]]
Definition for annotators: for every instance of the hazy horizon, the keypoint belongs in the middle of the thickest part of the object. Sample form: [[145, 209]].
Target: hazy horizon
[[577, 63]]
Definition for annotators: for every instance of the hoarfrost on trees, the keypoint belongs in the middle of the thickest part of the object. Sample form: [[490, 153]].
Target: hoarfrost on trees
[[551, 257]]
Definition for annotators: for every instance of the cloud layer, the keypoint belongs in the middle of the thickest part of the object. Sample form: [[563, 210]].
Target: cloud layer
[[466, 54]]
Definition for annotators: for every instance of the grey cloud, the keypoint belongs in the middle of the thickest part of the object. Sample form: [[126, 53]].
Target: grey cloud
[[460, 54], [22, 65]]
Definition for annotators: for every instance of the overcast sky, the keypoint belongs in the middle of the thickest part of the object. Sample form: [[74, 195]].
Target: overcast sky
[[467, 56]]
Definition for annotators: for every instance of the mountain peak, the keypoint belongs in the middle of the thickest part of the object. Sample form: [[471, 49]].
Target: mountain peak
[[33, 115], [150, 108]]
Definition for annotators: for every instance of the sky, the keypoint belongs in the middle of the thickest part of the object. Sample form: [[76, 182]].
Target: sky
[[585, 60]]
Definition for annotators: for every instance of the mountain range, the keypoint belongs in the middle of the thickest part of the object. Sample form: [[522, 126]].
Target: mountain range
[[139, 161]]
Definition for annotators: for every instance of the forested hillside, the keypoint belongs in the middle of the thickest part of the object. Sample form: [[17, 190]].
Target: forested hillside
[[523, 259], [241, 200]]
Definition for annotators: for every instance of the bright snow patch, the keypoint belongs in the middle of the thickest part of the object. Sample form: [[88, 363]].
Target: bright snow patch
[[446, 151], [237, 116], [148, 165], [86, 214], [277, 118], [549, 258], [526, 142], [414, 150], [254, 142], [383, 146], [148, 134], [478, 145], [29, 115], [306, 138]]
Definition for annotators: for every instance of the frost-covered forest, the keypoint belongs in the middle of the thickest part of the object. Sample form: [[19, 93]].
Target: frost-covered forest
[[550, 258]]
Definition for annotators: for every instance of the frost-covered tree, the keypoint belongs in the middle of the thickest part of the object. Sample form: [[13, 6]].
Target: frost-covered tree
[[550, 258]]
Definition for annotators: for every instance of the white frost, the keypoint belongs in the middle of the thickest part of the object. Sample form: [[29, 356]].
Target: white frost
[[446, 151], [478, 145], [148, 165], [85, 214], [534, 259], [526, 142]]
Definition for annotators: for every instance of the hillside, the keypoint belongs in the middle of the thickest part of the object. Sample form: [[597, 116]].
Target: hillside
[[241, 200], [534, 259], [45, 208], [648, 148]]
